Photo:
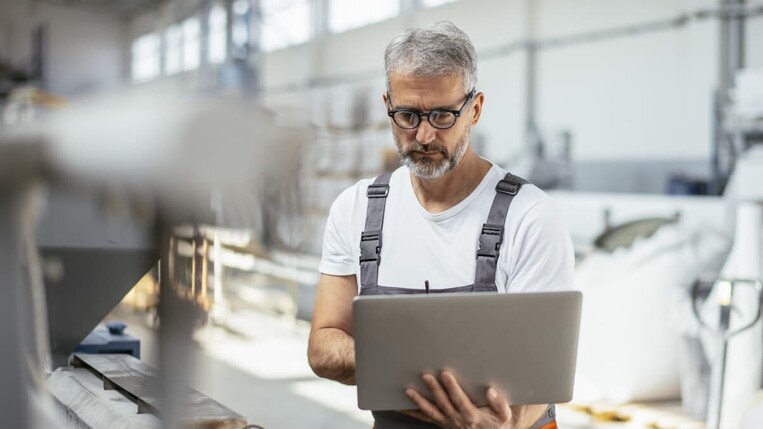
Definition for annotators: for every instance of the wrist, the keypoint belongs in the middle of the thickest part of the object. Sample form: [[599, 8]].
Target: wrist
[[536, 416], [546, 419]]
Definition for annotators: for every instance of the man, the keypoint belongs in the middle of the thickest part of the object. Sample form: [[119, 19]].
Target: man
[[431, 213]]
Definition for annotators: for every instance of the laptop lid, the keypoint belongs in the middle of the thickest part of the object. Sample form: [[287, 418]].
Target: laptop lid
[[524, 344]]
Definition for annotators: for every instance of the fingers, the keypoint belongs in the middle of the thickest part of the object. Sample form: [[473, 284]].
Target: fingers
[[441, 397], [451, 405], [498, 404], [456, 394], [427, 411]]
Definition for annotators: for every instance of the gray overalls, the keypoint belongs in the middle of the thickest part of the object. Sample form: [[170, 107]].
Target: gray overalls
[[484, 281]]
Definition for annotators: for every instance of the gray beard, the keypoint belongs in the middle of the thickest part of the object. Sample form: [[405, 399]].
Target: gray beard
[[426, 168]]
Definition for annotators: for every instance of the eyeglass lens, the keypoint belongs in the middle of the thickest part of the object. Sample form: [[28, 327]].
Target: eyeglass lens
[[438, 119]]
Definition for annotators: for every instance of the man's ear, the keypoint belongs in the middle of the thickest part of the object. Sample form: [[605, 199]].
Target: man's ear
[[479, 99], [386, 105]]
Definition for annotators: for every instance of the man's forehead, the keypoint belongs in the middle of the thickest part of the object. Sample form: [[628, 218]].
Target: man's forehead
[[444, 88]]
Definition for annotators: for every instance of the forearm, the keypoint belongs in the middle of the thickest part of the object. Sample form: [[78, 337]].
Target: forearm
[[331, 354], [525, 416]]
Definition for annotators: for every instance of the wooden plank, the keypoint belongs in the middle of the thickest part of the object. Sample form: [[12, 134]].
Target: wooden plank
[[87, 405], [140, 382]]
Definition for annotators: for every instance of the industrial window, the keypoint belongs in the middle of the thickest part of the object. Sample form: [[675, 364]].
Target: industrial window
[[285, 23], [146, 55], [433, 3], [191, 43], [347, 14], [173, 38], [217, 43]]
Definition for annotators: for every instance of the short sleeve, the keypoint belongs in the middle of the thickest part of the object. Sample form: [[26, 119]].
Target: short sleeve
[[337, 255], [543, 257]]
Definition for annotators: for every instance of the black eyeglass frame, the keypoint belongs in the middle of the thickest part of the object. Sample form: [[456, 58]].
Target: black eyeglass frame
[[456, 113]]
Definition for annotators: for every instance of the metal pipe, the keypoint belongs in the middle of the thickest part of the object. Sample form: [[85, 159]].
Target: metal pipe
[[255, 60], [229, 22], [730, 61], [532, 137], [726, 298], [717, 181]]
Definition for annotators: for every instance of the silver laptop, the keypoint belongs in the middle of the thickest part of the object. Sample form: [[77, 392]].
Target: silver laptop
[[524, 344]]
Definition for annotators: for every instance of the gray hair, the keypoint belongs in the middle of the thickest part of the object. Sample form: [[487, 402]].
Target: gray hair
[[435, 50]]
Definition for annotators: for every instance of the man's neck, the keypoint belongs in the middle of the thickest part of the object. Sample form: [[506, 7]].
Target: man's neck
[[442, 193]]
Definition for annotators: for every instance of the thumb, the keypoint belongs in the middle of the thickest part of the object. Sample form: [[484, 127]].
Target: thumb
[[498, 404]]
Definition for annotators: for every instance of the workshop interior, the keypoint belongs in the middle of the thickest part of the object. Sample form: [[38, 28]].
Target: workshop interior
[[167, 168]]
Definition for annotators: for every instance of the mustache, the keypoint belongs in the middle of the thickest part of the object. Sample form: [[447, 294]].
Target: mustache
[[430, 148]]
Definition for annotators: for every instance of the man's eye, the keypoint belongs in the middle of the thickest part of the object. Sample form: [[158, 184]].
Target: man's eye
[[441, 117], [407, 118]]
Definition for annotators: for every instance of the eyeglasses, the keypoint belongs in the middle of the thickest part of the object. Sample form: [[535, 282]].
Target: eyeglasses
[[442, 119]]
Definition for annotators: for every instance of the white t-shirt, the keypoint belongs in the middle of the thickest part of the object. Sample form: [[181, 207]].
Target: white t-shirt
[[536, 254]]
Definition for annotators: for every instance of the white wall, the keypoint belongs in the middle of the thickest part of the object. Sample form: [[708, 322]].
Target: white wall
[[641, 97], [85, 50]]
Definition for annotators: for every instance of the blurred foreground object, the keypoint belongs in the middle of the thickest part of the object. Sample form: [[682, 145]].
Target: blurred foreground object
[[119, 176]]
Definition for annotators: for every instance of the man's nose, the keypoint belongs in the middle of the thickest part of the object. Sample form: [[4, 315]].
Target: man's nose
[[425, 133]]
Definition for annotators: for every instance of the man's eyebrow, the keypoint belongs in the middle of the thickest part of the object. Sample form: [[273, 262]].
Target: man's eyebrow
[[416, 109], [405, 107]]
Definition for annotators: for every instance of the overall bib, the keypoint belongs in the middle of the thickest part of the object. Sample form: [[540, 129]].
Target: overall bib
[[490, 241]]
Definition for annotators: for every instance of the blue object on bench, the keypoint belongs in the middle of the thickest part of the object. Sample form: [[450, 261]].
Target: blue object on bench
[[110, 338]]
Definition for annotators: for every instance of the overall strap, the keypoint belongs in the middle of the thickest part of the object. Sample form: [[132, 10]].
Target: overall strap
[[370, 238], [492, 231], [548, 420]]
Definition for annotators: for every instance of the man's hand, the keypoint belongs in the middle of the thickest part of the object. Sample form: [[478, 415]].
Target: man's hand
[[453, 409]]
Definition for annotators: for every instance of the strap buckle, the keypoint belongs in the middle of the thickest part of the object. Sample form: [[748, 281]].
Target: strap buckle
[[490, 240], [508, 187], [370, 246], [377, 191]]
